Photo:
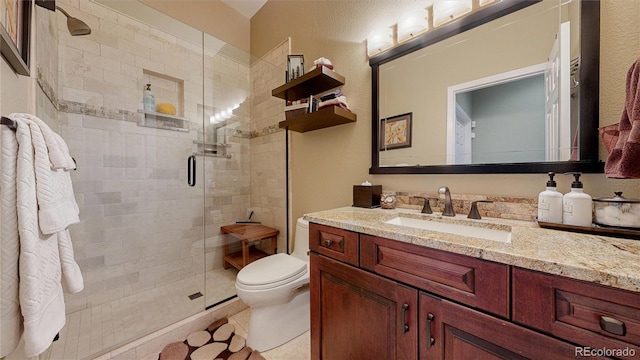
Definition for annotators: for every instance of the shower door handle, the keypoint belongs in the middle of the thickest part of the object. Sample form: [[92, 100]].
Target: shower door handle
[[191, 170]]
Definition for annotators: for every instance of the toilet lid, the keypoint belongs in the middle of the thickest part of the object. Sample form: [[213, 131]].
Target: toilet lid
[[272, 269]]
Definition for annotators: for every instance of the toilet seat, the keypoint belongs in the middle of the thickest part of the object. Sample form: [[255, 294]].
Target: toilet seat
[[270, 272]]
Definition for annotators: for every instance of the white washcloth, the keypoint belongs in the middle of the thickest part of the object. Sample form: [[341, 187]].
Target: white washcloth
[[46, 253]]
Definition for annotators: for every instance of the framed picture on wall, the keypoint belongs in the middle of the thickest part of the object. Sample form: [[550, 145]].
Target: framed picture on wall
[[295, 66], [395, 132], [15, 19]]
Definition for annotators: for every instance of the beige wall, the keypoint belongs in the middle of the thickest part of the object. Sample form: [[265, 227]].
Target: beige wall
[[213, 17], [326, 163]]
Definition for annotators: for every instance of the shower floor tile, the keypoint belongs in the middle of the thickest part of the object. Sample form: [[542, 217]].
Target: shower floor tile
[[94, 331]]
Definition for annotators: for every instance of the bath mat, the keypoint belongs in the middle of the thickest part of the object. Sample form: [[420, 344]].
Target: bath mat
[[217, 341]]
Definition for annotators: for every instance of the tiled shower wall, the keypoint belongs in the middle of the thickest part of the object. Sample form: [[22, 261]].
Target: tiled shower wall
[[268, 166], [141, 225]]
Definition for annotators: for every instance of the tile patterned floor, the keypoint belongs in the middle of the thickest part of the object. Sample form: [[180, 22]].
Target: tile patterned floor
[[92, 332], [296, 349], [96, 330]]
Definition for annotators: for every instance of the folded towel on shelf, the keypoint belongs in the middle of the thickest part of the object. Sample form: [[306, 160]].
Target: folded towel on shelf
[[332, 95], [45, 206], [624, 160], [321, 62], [340, 101]]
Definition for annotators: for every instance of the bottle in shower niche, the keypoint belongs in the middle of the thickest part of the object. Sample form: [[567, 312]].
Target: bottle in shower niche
[[577, 209], [550, 203], [149, 100]]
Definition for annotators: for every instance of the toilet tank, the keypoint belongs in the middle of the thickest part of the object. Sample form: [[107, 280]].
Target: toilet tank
[[301, 243]]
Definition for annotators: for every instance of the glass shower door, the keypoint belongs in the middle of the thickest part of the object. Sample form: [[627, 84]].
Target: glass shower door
[[139, 241]]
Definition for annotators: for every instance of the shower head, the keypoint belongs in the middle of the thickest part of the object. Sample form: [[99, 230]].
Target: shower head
[[76, 26]]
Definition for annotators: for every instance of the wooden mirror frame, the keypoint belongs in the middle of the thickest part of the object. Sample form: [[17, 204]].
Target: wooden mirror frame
[[588, 102]]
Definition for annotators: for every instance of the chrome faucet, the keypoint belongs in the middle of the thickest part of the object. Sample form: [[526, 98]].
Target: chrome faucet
[[448, 207]]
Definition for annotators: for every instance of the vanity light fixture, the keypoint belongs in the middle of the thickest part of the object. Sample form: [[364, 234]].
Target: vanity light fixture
[[412, 24], [447, 10], [379, 41], [418, 22]]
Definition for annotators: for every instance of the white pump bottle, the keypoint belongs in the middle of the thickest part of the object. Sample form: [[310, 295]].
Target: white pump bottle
[[550, 203], [577, 205]]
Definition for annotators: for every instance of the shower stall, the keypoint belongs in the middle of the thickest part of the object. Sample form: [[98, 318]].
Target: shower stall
[[155, 188]]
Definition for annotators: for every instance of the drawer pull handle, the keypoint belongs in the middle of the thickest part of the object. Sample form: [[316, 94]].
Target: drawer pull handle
[[429, 338], [328, 242], [405, 327], [612, 325]]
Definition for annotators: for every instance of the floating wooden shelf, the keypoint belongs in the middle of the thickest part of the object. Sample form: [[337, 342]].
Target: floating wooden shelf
[[315, 82], [325, 117]]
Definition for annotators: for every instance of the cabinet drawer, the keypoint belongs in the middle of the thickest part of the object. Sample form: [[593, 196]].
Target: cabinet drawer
[[475, 282], [335, 243], [588, 314]]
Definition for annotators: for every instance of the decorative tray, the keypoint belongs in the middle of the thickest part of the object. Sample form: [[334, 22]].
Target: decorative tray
[[594, 229]]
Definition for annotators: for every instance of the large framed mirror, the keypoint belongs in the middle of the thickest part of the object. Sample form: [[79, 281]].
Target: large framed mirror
[[509, 88]]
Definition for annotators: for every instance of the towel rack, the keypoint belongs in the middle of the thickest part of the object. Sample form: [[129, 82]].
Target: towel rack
[[13, 126], [10, 123]]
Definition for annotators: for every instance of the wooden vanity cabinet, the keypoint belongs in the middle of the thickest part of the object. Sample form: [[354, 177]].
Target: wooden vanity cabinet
[[395, 300]]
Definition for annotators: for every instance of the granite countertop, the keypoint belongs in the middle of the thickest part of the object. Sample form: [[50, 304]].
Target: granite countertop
[[599, 259]]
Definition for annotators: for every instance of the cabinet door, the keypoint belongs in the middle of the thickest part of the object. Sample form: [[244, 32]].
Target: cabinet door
[[359, 315], [451, 331]]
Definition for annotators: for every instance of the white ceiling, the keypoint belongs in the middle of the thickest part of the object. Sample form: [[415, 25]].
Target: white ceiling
[[245, 7]]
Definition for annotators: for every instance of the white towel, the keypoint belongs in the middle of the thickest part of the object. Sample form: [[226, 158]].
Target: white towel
[[46, 253], [57, 207], [10, 317]]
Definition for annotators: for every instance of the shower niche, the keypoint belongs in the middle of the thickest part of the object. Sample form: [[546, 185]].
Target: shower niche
[[167, 90]]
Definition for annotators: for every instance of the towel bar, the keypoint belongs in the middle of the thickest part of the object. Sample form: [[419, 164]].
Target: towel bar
[[13, 126], [10, 123]]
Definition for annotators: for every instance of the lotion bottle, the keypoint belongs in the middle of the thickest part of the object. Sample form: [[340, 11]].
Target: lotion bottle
[[149, 100], [550, 205], [577, 205]]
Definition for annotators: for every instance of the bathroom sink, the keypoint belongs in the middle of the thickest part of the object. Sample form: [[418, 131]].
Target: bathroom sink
[[453, 228]]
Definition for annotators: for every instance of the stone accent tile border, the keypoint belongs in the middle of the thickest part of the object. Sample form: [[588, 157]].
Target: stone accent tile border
[[47, 89], [74, 107], [271, 129], [503, 207], [150, 346]]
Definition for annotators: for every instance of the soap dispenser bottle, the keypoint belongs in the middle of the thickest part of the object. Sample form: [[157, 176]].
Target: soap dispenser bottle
[[577, 207], [149, 100], [550, 203]]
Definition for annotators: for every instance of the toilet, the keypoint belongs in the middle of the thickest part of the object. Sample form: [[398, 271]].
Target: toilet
[[276, 288]]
